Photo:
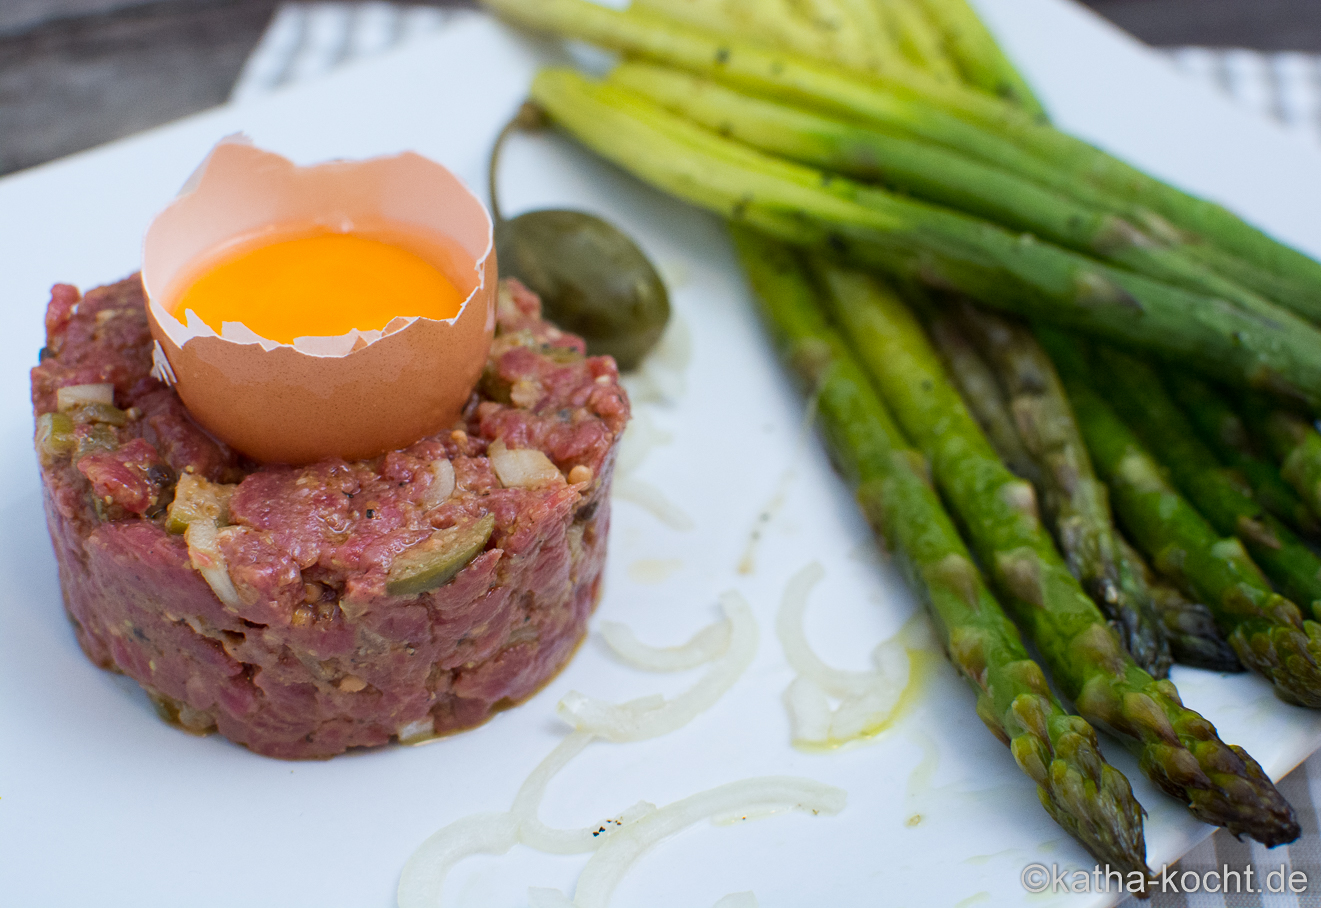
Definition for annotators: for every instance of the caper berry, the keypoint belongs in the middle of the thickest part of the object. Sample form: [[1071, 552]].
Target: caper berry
[[592, 279]]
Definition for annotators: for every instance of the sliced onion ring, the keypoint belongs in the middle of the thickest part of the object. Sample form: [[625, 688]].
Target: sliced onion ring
[[707, 644], [618, 723], [868, 700], [612, 860], [423, 877]]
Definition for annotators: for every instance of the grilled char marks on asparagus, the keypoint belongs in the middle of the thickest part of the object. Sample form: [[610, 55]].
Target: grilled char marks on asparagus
[[1177, 748], [1189, 625], [1084, 794], [1075, 500], [1138, 395], [1266, 630]]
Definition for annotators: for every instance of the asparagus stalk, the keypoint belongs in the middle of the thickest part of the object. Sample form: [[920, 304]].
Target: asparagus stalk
[[935, 174], [978, 55], [918, 38], [1220, 426], [1189, 625], [1136, 392], [868, 21], [656, 37], [928, 244], [1177, 748], [785, 76], [965, 119], [1059, 752], [1266, 630], [981, 391], [824, 32], [1295, 443], [1075, 501]]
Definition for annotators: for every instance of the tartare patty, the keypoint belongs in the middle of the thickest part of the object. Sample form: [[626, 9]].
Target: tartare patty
[[301, 611]]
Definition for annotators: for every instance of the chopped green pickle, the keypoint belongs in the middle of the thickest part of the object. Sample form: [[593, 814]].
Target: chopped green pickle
[[196, 499], [98, 438], [99, 413], [54, 436], [433, 563]]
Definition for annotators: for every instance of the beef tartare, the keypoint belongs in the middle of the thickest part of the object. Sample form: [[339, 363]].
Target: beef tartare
[[301, 611]]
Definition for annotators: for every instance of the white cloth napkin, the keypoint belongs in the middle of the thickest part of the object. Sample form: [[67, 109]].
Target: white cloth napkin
[[310, 39]]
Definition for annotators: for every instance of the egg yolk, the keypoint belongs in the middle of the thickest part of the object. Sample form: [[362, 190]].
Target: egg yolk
[[320, 286]]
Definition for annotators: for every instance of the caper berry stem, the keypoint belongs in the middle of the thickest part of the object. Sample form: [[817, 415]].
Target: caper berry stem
[[530, 116]]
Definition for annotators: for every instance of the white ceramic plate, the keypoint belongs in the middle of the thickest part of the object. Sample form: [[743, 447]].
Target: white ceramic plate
[[101, 803]]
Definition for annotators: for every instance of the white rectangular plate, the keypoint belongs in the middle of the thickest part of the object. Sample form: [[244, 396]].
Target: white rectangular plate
[[103, 804]]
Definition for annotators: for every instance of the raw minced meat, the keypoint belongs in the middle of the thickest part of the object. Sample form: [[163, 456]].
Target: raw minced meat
[[282, 610]]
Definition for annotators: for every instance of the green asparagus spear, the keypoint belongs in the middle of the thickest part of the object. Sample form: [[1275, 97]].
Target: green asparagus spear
[[1075, 501], [979, 56], [1295, 443], [866, 20], [981, 391], [937, 175], [1085, 795], [1266, 630], [789, 77], [1220, 426], [964, 119], [648, 35], [820, 33], [1189, 625], [1135, 390], [1177, 749], [918, 38], [929, 244]]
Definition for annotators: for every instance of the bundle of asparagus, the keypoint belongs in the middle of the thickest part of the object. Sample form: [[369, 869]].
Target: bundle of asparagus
[[897, 147]]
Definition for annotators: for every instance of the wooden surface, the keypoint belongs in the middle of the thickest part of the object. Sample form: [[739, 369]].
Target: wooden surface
[[1261, 24], [76, 73]]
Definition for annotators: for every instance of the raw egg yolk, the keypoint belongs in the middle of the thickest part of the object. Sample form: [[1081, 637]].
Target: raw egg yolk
[[320, 286]]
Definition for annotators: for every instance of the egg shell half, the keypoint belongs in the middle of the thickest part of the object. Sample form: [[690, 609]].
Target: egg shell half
[[350, 396]]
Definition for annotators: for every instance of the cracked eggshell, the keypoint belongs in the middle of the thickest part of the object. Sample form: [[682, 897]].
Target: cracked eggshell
[[352, 396]]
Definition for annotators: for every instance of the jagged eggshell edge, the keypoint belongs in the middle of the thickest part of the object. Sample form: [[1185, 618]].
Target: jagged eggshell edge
[[351, 396]]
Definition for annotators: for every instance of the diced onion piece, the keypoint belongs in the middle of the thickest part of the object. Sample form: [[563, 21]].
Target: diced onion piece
[[424, 874], [707, 644], [809, 711], [524, 468], [789, 628], [612, 860], [646, 495], [738, 900], [416, 732], [80, 395], [196, 499], [204, 553], [442, 484], [619, 723]]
